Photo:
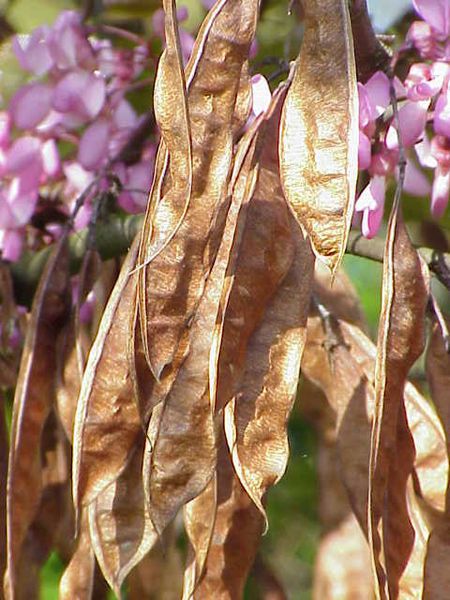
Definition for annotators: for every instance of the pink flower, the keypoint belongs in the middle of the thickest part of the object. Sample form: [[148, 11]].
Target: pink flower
[[186, 39], [377, 88], [24, 160], [5, 129], [136, 181], [261, 94], [30, 105], [371, 204], [140, 55], [440, 151], [32, 51], [364, 151], [374, 98], [124, 116], [77, 177], [50, 158], [11, 244], [158, 20], [83, 216], [440, 192], [106, 57], [423, 82], [441, 122], [17, 204], [421, 37], [423, 152], [208, 4], [436, 13], [68, 43], [383, 162], [87, 308], [80, 93], [93, 148], [187, 42], [412, 118], [416, 182]]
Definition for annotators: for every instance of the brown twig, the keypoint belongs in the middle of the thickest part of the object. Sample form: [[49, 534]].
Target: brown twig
[[88, 8], [370, 54], [441, 320], [438, 262]]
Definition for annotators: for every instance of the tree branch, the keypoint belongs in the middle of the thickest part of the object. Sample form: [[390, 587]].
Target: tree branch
[[112, 236], [438, 262], [370, 54]]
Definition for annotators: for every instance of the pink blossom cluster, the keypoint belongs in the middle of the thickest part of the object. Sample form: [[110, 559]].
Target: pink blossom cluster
[[67, 125], [423, 127]]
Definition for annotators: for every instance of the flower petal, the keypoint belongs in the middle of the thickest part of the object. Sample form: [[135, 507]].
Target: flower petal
[[441, 121], [412, 118], [416, 182], [436, 13], [24, 160], [32, 51], [80, 93], [77, 177], [377, 88], [68, 44], [261, 94], [365, 107], [30, 105], [11, 244], [364, 152], [50, 158], [423, 151], [93, 148], [440, 192], [371, 204], [5, 129]]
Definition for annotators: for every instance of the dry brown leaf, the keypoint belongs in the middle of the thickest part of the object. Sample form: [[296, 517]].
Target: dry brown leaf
[[199, 529], [160, 572], [319, 130], [256, 418], [238, 526], [262, 259], [107, 420], [181, 450], [78, 578], [172, 116], [171, 286], [147, 391], [53, 518], [244, 101], [436, 575], [334, 504], [120, 528], [337, 293], [341, 362], [343, 567], [73, 347], [401, 341], [9, 319], [343, 371], [4, 443], [33, 400], [270, 588], [199, 519]]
